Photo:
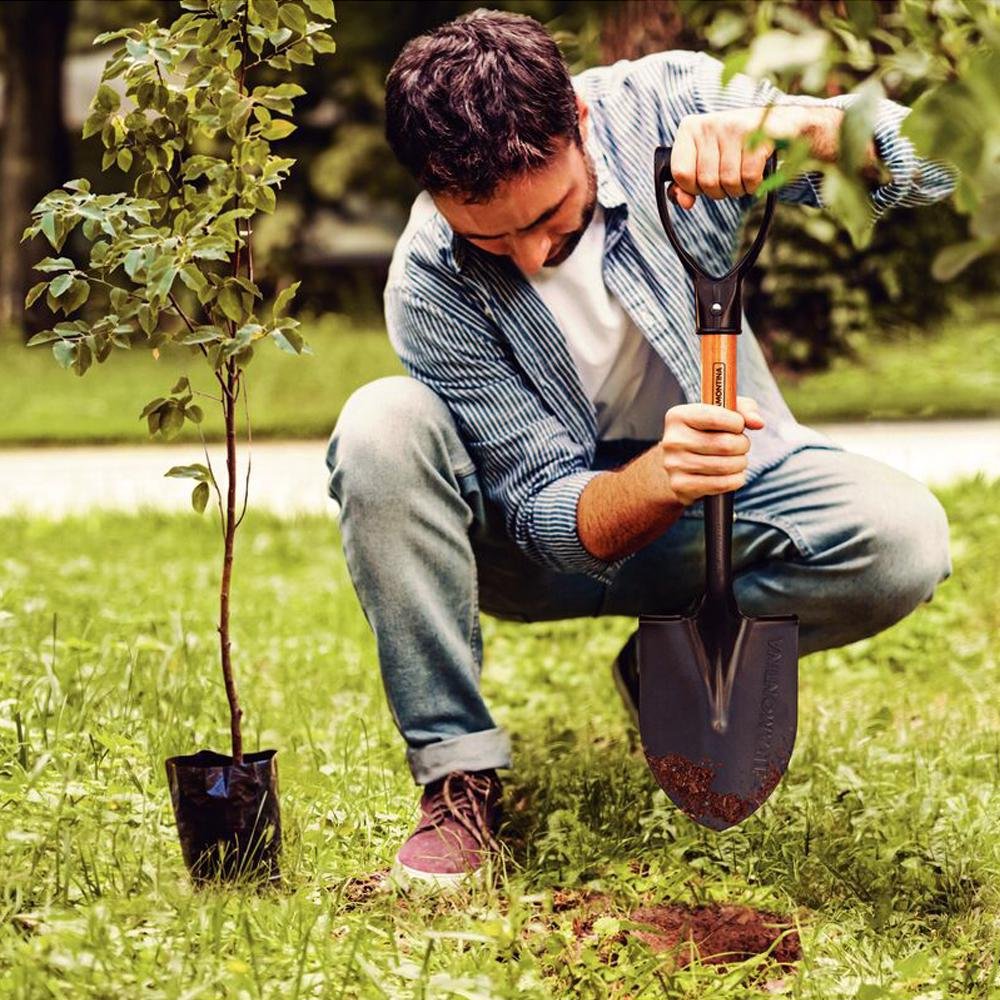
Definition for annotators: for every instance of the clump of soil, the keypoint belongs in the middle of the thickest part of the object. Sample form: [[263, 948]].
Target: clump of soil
[[360, 889], [690, 786], [718, 934]]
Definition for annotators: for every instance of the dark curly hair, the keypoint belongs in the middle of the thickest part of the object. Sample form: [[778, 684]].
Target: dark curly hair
[[480, 100]]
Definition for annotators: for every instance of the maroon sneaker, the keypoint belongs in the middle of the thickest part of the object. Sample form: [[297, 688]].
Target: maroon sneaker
[[459, 817]]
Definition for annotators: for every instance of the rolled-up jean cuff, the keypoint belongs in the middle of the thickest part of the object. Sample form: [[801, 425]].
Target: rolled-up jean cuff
[[489, 748]]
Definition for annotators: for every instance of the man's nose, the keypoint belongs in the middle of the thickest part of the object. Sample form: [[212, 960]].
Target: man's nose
[[530, 254]]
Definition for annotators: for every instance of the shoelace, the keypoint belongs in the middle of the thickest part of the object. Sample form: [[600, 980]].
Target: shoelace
[[461, 794]]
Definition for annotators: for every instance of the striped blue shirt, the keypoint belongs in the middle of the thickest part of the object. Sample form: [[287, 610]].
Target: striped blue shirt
[[470, 326]]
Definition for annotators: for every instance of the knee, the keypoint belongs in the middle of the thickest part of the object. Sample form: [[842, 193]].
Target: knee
[[384, 428], [906, 555]]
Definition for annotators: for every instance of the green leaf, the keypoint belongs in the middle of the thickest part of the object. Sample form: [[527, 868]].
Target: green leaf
[[107, 98], [133, 261], [48, 226], [726, 27], [164, 282], [278, 129], [171, 420], [147, 318], [45, 337], [124, 159], [64, 353], [83, 359], [847, 201], [183, 384], [857, 126], [322, 8], [193, 278], [283, 90], [322, 42], [863, 16], [195, 471], [231, 303], [199, 497], [194, 414], [94, 123], [292, 15], [289, 341], [779, 51], [952, 260], [78, 293], [264, 198], [60, 285], [153, 404], [301, 53], [202, 335], [284, 299], [266, 12], [55, 264], [33, 295]]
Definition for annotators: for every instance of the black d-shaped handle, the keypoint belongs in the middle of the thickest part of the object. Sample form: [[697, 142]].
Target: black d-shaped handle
[[718, 300]]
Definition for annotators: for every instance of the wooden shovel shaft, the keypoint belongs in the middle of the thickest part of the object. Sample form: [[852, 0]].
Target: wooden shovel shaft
[[718, 369], [718, 387]]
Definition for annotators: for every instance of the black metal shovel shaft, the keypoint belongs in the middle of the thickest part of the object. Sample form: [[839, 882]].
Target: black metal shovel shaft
[[718, 690]]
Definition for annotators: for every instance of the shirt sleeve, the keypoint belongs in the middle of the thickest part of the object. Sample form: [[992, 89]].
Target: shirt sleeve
[[527, 461], [914, 181]]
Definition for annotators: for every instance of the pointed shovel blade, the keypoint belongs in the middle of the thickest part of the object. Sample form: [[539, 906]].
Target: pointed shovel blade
[[718, 725]]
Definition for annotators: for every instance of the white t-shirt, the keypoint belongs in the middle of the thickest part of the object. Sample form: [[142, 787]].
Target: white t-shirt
[[627, 381]]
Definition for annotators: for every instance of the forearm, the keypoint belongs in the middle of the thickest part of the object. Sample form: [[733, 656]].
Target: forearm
[[620, 511]]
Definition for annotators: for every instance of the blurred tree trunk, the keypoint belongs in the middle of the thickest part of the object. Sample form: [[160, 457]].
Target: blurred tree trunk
[[635, 28], [34, 154]]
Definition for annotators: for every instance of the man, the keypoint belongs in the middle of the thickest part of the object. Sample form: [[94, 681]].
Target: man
[[542, 460]]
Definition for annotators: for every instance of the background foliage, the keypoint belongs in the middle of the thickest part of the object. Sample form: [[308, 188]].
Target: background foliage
[[815, 296]]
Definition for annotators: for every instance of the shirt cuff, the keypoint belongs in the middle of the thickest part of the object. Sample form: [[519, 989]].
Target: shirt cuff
[[914, 181], [546, 528]]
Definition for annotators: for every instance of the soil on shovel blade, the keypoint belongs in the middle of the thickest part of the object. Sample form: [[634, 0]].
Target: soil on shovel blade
[[718, 934], [692, 786]]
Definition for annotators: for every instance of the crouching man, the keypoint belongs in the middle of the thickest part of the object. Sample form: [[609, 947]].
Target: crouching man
[[542, 459]]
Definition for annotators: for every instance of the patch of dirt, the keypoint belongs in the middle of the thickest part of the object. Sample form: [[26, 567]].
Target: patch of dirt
[[718, 934], [362, 888], [690, 787]]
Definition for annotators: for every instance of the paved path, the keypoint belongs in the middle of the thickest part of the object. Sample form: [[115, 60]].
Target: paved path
[[290, 476]]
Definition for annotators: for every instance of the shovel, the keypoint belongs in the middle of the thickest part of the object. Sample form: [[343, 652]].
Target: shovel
[[718, 690]]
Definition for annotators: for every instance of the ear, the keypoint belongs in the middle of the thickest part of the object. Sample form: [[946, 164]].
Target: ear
[[583, 113]]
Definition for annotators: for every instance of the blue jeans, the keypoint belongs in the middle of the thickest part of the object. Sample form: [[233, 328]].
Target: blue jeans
[[846, 543]]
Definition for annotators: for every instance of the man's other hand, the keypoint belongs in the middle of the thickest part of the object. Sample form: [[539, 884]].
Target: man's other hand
[[710, 154], [704, 448]]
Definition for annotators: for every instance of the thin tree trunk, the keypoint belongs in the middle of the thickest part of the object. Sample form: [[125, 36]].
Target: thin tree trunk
[[235, 712], [34, 154]]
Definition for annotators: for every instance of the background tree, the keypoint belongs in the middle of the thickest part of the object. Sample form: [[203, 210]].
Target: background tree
[[34, 154]]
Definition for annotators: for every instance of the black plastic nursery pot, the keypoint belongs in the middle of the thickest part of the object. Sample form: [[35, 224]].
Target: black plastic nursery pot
[[228, 817]]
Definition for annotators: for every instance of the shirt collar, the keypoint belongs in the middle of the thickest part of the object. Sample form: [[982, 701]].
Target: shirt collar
[[609, 195]]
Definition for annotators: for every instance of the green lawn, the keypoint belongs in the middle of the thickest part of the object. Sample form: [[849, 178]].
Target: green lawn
[[883, 837], [289, 396], [955, 372]]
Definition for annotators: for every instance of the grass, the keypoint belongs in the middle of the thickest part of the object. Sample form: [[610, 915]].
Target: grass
[[882, 837], [290, 397], [954, 373]]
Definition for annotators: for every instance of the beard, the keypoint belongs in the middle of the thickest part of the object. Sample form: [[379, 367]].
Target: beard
[[570, 242]]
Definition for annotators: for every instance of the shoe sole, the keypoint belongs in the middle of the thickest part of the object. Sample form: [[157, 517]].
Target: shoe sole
[[624, 694], [405, 877]]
